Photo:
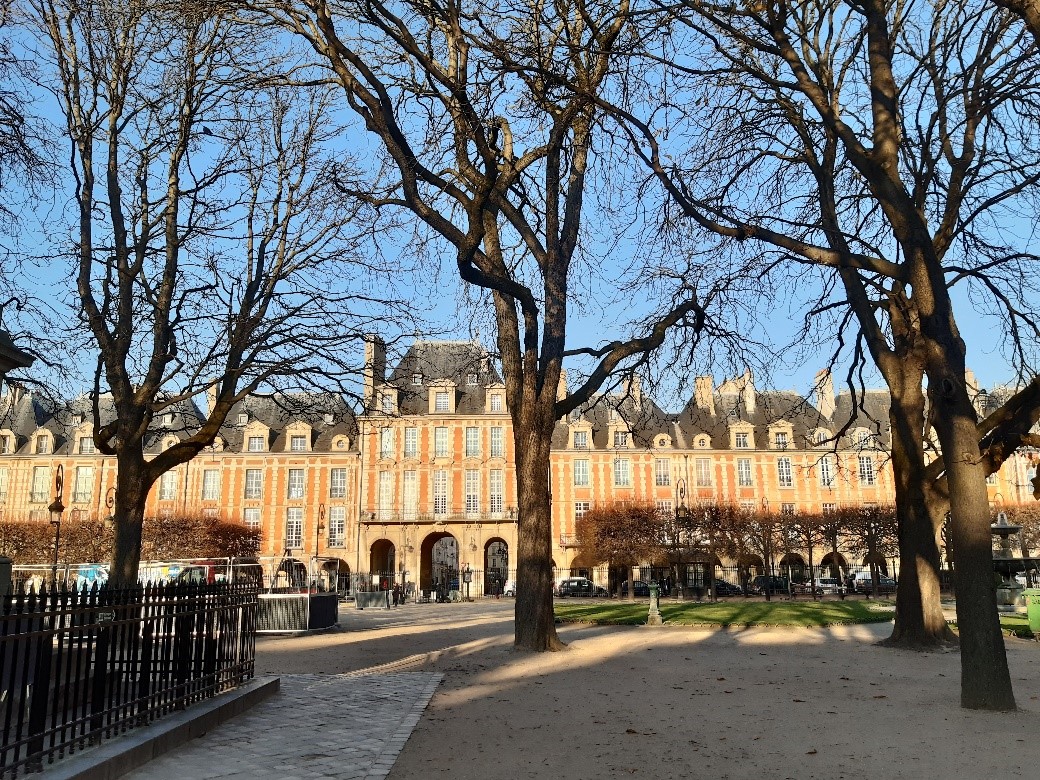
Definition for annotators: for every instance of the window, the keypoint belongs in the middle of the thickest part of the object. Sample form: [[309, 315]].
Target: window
[[440, 442], [471, 379], [211, 485], [440, 492], [386, 495], [295, 484], [498, 449], [411, 442], [86, 445], [741, 441], [581, 440], [41, 479], [827, 471], [297, 443], [581, 508], [338, 483], [211, 511], [783, 472], [254, 483], [581, 473], [410, 494], [251, 517], [294, 527], [243, 418], [386, 442], [744, 472], [416, 379], [664, 508], [496, 495], [703, 472], [472, 442], [472, 492], [620, 438], [83, 485], [337, 526], [496, 402], [168, 486], [255, 444], [43, 445], [787, 509], [991, 479], [328, 418], [5, 445], [3, 484], [828, 509], [622, 472], [866, 470], [441, 401], [386, 402], [780, 439], [662, 472]]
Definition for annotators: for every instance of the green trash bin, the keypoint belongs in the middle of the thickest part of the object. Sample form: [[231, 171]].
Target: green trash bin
[[1032, 597]]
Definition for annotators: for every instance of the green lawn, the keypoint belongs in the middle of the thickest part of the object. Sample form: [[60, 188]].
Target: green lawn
[[1013, 623], [731, 613]]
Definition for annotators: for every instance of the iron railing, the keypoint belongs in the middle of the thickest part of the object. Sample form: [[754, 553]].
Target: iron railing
[[81, 666]]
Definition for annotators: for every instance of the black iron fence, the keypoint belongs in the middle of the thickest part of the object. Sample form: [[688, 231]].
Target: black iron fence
[[80, 666]]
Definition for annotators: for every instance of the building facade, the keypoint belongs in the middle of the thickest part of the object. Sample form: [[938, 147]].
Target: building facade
[[420, 486]]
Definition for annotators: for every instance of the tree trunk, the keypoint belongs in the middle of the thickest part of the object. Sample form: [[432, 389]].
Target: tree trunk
[[535, 627], [985, 677], [132, 484]]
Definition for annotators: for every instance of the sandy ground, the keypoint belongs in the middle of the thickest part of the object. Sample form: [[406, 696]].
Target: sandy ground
[[677, 702]]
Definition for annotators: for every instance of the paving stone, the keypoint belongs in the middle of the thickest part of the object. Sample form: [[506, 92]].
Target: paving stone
[[318, 726]]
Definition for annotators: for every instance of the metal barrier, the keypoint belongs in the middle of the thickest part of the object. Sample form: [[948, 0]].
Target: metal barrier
[[284, 612], [80, 666]]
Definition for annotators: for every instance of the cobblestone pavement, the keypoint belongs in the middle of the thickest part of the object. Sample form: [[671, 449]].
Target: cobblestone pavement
[[345, 726]]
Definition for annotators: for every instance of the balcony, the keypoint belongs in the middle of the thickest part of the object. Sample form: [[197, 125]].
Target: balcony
[[81, 497], [568, 540], [38, 497], [3, 497]]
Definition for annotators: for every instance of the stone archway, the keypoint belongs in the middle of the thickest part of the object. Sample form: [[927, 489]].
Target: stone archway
[[878, 560], [439, 562], [748, 567], [382, 563], [834, 565], [496, 566], [793, 567]]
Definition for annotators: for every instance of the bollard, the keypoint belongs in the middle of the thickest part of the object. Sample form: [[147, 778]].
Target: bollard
[[5, 575], [654, 618]]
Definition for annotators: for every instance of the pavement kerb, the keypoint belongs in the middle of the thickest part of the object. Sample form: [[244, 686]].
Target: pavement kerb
[[137, 747]]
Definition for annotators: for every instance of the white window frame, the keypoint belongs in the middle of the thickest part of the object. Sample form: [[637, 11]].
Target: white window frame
[[255, 444], [298, 443], [472, 441], [702, 472], [337, 526], [86, 445], [40, 488], [781, 440], [410, 494], [295, 483], [498, 447], [254, 484], [496, 402], [168, 486], [496, 492], [442, 401], [386, 443], [472, 483], [581, 472], [622, 472], [411, 442], [440, 492], [581, 508], [211, 484], [867, 472], [581, 440], [662, 472], [338, 483], [784, 473], [385, 495], [83, 486], [294, 527], [251, 517], [741, 440], [621, 439], [441, 444], [827, 471], [745, 475]]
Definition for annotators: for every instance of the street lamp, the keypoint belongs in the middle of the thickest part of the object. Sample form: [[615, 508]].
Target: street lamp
[[682, 518], [318, 528], [56, 509]]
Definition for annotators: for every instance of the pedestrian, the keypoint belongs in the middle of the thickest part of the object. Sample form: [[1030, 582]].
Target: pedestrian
[[397, 594]]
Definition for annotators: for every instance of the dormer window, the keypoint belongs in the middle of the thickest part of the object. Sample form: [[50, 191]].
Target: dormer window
[[703, 442], [328, 418], [243, 418], [416, 379], [780, 439], [581, 440], [442, 401], [297, 443], [387, 403], [43, 445], [496, 402], [86, 445], [169, 443], [5, 445], [167, 419], [741, 441], [620, 438], [471, 379], [255, 444]]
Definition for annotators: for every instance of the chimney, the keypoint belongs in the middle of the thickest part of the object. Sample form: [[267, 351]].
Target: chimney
[[211, 399], [561, 386], [824, 393], [632, 387], [748, 391], [375, 366], [704, 393]]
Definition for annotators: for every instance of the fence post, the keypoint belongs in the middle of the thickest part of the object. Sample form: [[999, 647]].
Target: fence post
[[40, 682], [5, 576], [99, 678]]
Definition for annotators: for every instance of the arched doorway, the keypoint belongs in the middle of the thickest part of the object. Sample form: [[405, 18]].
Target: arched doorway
[[793, 567], [496, 566], [439, 563], [382, 563], [334, 575], [748, 567], [834, 565], [877, 559]]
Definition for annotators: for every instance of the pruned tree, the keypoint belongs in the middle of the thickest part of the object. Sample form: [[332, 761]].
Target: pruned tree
[[883, 148], [212, 252], [488, 117], [622, 534], [872, 530], [197, 536], [761, 532], [806, 530]]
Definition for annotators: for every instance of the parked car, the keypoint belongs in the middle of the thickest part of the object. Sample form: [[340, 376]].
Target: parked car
[[575, 586], [777, 585], [724, 588], [861, 583], [509, 589], [640, 589], [828, 585]]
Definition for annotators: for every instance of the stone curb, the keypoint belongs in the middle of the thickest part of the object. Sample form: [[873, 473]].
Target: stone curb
[[137, 747]]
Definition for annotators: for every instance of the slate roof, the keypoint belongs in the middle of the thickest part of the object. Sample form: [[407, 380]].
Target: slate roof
[[436, 361], [327, 414]]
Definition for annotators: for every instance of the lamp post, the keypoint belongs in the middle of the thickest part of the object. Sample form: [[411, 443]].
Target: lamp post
[[318, 528], [56, 509], [682, 518]]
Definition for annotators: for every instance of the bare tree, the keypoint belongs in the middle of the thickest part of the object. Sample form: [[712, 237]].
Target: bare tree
[[806, 530], [871, 530], [212, 252], [1028, 11], [881, 150], [624, 533], [487, 113]]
